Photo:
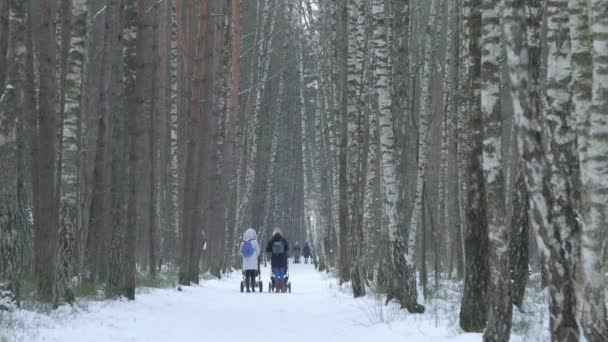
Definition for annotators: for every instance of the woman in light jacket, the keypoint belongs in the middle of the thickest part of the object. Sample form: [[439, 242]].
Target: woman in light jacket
[[250, 260]]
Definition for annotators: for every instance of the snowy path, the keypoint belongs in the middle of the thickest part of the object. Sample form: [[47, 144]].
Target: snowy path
[[315, 311]]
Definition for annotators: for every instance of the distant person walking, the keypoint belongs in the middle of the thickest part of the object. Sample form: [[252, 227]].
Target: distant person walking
[[306, 252]]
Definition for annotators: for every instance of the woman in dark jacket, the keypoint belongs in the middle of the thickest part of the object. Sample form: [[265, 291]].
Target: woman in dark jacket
[[306, 252], [278, 248]]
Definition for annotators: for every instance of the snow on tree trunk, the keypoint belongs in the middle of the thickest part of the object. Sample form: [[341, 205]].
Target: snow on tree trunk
[[595, 185], [499, 235]]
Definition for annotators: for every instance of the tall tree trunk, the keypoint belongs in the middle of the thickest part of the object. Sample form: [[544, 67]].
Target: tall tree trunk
[[70, 210], [524, 96], [403, 281], [12, 114], [472, 311], [4, 39], [192, 215], [92, 118], [119, 244], [348, 122], [519, 241], [560, 154], [499, 235], [356, 159], [595, 185], [46, 237]]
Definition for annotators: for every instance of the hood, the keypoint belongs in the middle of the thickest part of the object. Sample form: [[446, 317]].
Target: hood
[[250, 234]]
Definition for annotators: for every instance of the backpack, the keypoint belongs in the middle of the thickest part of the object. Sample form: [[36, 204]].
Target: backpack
[[278, 247], [247, 249]]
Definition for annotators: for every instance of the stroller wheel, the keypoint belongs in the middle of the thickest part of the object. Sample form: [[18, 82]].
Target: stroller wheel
[[269, 287], [261, 286], [289, 287], [242, 286]]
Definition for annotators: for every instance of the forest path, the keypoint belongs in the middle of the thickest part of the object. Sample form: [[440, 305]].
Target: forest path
[[316, 311]]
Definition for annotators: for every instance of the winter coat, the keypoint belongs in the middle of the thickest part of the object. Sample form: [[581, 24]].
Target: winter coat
[[296, 251], [278, 260], [306, 251], [251, 263]]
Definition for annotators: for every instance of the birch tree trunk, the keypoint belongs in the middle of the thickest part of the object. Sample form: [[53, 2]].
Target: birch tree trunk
[[403, 285], [355, 131], [519, 260], [564, 166], [523, 92], [499, 235], [595, 185], [70, 211], [426, 96]]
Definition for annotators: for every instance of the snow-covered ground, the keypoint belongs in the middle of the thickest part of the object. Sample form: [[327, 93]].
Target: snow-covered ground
[[316, 310]]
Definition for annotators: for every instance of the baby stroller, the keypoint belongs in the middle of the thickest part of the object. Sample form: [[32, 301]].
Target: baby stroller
[[271, 284], [259, 284]]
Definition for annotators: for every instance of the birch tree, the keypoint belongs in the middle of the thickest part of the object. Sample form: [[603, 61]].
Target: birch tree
[[499, 290], [70, 213], [537, 182], [595, 185], [401, 259]]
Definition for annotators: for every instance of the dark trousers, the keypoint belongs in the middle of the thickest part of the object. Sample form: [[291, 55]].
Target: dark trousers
[[250, 279]]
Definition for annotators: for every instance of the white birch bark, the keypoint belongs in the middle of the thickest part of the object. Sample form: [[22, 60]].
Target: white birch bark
[[263, 67], [402, 262], [70, 215], [595, 184], [524, 91], [499, 291]]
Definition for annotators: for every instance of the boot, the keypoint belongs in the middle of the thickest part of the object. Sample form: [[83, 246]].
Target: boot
[[247, 284], [253, 287]]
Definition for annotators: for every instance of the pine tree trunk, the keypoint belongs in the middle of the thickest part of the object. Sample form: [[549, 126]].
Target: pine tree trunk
[[4, 39], [12, 112], [46, 238], [473, 307], [192, 215]]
